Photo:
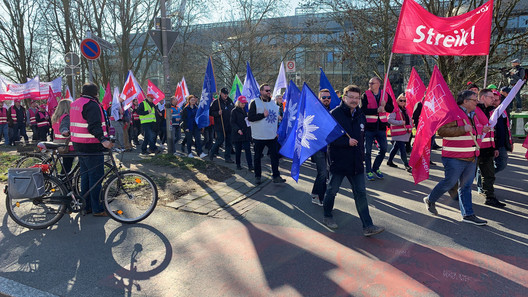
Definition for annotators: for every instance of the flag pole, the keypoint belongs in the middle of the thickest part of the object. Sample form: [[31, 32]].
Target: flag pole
[[486, 72], [385, 79]]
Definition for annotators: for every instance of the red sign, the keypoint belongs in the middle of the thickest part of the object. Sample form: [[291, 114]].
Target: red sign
[[90, 49], [290, 66], [422, 33]]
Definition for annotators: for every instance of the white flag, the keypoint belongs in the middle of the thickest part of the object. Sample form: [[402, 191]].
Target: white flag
[[500, 109], [281, 82]]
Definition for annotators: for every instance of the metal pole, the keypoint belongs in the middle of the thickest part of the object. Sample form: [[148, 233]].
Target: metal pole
[[90, 70], [386, 77], [486, 72], [165, 58], [73, 85]]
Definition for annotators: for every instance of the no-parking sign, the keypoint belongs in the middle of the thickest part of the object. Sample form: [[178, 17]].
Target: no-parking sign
[[90, 49], [290, 66]]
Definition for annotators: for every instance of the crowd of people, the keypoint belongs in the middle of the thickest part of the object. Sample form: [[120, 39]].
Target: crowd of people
[[470, 148]]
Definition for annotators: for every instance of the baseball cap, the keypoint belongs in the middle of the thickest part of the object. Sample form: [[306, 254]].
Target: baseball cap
[[242, 99], [224, 90]]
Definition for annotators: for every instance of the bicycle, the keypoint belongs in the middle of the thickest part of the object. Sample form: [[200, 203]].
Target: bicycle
[[128, 196]]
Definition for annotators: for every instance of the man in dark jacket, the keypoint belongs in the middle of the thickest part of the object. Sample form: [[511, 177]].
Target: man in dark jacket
[[513, 75], [346, 157], [221, 111], [16, 119]]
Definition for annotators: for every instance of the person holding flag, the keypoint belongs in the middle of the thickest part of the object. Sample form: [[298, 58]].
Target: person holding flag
[[220, 109], [263, 115], [175, 121], [376, 106], [461, 141], [346, 155], [401, 131], [191, 128]]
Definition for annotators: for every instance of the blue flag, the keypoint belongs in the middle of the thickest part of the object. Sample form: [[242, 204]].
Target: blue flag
[[208, 89], [324, 83], [291, 97], [315, 129], [251, 88]]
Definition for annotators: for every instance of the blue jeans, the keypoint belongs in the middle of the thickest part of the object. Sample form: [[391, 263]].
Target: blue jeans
[[150, 137], [360, 196], [502, 160], [399, 146], [92, 169], [273, 149], [218, 142], [238, 152], [381, 137], [4, 131], [176, 135], [463, 172], [319, 186], [18, 131], [197, 140]]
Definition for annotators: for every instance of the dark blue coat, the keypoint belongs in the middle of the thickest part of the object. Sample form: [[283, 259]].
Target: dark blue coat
[[343, 158]]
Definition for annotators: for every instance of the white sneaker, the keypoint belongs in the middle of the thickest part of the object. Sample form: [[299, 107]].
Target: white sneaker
[[203, 155], [190, 155], [315, 200]]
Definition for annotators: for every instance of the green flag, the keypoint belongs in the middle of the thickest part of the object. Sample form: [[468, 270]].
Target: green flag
[[236, 83], [101, 93]]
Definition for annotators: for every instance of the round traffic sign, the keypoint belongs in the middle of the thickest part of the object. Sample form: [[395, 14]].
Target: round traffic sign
[[290, 66], [90, 49], [71, 59]]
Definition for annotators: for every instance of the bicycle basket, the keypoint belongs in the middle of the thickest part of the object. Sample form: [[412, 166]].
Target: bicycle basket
[[25, 182]]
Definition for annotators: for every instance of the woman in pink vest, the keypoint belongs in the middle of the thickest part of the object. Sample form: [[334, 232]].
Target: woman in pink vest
[[401, 129], [61, 129], [43, 123]]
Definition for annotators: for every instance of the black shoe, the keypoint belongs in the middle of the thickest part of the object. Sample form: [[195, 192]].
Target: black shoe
[[144, 153], [211, 157], [408, 168], [229, 161], [239, 167], [473, 219], [495, 203], [391, 164], [430, 206], [258, 180], [251, 168], [279, 180]]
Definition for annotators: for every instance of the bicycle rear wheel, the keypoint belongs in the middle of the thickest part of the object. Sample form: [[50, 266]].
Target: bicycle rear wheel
[[30, 160], [41, 212], [130, 196]]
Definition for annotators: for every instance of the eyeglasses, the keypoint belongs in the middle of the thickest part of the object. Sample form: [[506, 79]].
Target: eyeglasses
[[326, 97], [355, 97], [472, 99], [402, 100], [267, 91]]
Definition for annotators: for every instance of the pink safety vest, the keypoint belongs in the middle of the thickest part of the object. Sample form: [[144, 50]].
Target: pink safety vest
[[32, 117], [463, 146], [56, 131], [43, 123], [3, 116], [372, 104], [397, 130], [13, 114], [79, 126], [489, 139]]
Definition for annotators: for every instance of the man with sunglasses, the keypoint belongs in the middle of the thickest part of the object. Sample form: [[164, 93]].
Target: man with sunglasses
[[376, 110], [319, 158], [264, 115]]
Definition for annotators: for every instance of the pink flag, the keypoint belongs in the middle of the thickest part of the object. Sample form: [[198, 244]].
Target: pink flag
[[184, 88], [107, 99], [52, 101], [68, 95], [155, 92], [422, 33], [415, 91], [439, 108]]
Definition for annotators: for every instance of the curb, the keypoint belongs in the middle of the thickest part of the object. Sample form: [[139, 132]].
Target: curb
[[11, 288]]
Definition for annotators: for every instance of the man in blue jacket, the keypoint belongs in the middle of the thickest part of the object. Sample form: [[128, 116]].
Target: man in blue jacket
[[346, 157]]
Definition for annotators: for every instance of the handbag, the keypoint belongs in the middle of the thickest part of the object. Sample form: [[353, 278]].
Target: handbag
[[63, 149]]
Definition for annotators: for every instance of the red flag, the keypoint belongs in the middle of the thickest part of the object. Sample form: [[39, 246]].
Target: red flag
[[155, 92], [422, 33], [439, 108], [388, 90], [68, 95], [107, 99], [179, 95], [184, 88], [415, 91], [52, 101], [525, 145], [141, 97]]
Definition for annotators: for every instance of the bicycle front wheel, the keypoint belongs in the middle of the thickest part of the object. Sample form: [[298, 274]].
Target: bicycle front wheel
[[130, 196], [30, 160], [41, 212]]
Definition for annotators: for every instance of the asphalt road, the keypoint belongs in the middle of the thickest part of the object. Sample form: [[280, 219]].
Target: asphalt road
[[277, 246]]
